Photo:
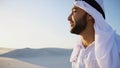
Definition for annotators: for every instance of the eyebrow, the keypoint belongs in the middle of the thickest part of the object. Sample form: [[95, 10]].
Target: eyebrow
[[74, 8]]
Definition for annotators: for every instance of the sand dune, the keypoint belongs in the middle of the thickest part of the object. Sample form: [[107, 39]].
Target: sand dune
[[28, 52], [13, 63], [35, 58]]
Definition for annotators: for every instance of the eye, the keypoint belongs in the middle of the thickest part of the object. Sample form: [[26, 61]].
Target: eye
[[74, 11]]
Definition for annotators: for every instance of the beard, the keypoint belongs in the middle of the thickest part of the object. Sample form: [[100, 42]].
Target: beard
[[80, 25]]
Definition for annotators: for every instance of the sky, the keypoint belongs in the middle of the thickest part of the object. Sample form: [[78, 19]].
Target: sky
[[43, 23]]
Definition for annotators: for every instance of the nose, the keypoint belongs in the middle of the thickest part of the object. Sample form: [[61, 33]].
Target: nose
[[70, 17]]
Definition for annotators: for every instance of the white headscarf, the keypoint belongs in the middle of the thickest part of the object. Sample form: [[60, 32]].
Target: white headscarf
[[105, 38]]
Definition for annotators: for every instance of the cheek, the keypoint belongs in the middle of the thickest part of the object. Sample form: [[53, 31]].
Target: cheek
[[73, 18], [76, 18]]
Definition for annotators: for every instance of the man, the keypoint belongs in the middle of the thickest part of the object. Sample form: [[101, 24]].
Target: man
[[99, 45]]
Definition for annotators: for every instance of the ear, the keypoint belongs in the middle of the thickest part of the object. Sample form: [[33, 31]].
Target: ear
[[90, 18]]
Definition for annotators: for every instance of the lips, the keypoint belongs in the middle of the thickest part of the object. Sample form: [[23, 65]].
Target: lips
[[71, 24]]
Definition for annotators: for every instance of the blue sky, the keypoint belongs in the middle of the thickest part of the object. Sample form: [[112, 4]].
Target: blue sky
[[113, 13], [41, 23]]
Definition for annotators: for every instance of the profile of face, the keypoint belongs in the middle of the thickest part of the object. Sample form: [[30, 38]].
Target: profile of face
[[78, 20]]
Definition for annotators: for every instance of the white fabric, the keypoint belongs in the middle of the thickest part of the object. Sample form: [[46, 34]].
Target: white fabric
[[107, 42], [86, 57]]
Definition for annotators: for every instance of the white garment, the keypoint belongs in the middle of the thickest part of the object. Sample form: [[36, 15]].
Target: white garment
[[106, 50], [86, 57]]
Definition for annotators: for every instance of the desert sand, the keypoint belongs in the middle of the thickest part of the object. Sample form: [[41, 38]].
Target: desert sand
[[13, 63], [36, 58]]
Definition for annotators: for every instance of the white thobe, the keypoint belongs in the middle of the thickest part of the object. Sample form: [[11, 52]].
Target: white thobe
[[86, 57]]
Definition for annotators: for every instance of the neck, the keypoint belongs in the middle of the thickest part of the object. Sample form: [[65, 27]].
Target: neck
[[88, 37]]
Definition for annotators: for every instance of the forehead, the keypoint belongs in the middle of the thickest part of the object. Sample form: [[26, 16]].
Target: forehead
[[77, 8]]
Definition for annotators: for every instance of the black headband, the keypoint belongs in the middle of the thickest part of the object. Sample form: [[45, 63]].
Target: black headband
[[94, 4]]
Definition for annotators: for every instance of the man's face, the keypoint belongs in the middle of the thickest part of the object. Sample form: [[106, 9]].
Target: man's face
[[77, 20]]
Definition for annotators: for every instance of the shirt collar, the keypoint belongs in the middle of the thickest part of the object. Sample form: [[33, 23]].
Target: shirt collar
[[88, 47]]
